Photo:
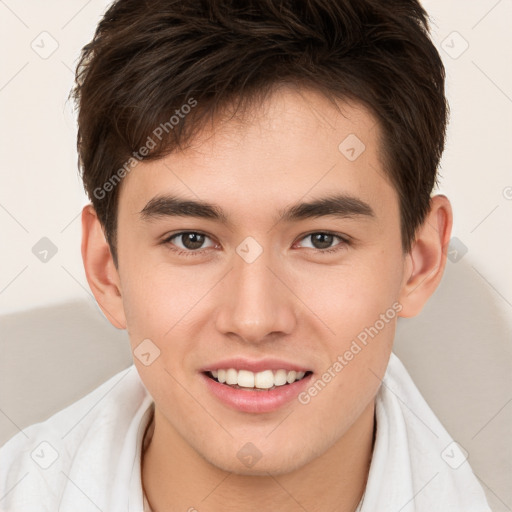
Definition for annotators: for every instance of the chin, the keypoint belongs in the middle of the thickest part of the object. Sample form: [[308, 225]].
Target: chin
[[258, 464]]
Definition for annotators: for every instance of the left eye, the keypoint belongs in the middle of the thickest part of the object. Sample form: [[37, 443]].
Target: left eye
[[322, 241]]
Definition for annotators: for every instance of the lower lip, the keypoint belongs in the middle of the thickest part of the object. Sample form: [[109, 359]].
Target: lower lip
[[256, 401]]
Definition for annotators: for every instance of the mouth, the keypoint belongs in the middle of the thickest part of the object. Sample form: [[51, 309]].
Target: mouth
[[266, 380], [264, 391]]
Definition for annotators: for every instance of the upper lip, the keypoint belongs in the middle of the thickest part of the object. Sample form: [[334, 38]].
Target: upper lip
[[241, 363]]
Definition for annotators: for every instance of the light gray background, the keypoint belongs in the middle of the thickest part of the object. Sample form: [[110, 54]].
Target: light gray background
[[458, 350]]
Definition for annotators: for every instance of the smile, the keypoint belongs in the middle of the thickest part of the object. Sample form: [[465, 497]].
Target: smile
[[259, 381], [263, 392]]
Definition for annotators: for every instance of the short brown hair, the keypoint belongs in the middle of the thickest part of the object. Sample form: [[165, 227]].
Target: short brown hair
[[150, 58]]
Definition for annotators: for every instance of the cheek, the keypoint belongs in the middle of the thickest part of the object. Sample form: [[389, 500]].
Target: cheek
[[156, 297], [352, 297], [359, 306]]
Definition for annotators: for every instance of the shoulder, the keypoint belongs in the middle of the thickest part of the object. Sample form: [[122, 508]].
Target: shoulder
[[38, 463], [414, 452]]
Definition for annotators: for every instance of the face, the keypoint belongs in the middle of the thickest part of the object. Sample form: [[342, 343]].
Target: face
[[258, 284]]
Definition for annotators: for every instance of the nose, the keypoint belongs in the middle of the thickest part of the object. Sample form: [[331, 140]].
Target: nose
[[257, 301]]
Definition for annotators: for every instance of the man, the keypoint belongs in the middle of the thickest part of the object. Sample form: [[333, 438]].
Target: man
[[260, 175]]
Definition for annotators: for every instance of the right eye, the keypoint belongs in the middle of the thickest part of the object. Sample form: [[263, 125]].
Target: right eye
[[191, 242]]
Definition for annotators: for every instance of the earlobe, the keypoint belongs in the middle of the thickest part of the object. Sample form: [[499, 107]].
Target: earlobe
[[427, 259], [102, 276]]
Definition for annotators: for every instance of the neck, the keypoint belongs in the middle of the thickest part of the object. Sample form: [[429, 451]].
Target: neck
[[176, 477]]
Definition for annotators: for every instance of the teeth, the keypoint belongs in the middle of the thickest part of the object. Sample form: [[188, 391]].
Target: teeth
[[291, 376], [245, 379], [280, 377], [261, 380], [264, 380], [231, 376]]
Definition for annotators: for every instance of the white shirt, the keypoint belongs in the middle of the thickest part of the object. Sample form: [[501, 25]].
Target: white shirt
[[87, 456]]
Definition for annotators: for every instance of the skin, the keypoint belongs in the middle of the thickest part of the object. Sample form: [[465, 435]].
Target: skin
[[292, 302]]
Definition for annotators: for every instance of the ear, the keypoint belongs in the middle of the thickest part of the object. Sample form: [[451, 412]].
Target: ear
[[426, 260], [101, 273]]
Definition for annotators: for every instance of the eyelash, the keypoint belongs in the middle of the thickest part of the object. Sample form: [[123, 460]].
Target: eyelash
[[180, 252]]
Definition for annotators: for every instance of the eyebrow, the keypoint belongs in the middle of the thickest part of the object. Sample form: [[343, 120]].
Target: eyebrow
[[337, 205]]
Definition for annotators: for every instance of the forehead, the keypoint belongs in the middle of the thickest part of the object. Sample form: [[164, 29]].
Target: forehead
[[293, 145]]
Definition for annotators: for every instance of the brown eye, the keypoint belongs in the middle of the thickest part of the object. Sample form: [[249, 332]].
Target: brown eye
[[323, 241], [192, 241], [188, 241]]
